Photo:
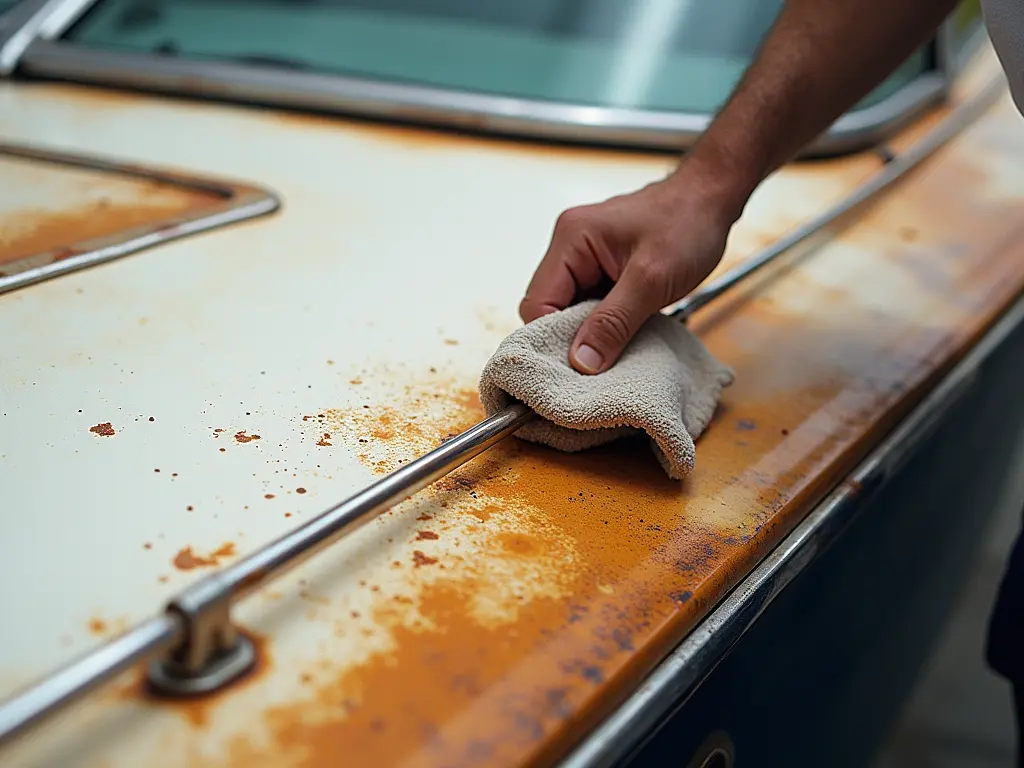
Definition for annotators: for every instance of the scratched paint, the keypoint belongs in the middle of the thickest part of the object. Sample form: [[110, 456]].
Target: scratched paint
[[554, 580]]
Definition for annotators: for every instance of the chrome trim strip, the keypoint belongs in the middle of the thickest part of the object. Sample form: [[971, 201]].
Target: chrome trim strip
[[272, 86], [675, 679], [20, 27], [241, 202]]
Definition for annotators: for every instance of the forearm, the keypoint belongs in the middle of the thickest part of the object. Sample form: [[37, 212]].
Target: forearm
[[820, 58]]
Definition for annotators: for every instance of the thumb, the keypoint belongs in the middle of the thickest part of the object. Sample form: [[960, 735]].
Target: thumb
[[616, 320]]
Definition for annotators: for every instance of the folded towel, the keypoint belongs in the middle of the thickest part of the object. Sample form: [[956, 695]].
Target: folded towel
[[666, 384]]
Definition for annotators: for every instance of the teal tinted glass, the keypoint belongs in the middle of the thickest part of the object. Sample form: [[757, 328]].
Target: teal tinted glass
[[673, 55]]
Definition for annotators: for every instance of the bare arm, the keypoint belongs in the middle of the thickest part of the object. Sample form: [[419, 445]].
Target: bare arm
[[656, 244], [821, 58]]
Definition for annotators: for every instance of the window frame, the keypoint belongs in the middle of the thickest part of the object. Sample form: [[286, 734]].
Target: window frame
[[30, 46]]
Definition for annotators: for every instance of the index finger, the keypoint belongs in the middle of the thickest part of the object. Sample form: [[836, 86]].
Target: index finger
[[562, 273]]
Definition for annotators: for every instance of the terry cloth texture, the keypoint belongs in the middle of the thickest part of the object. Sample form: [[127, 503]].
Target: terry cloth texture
[[665, 384]]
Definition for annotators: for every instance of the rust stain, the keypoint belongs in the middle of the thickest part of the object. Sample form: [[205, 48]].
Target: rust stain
[[300, 490], [29, 232], [186, 559], [97, 626], [103, 430], [426, 535], [101, 627], [241, 437], [420, 559], [197, 711]]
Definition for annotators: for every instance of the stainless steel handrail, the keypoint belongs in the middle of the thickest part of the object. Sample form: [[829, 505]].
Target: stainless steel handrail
[[201, 615]]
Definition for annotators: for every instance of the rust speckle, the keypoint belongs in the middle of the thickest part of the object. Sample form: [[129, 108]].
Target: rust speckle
[[268, 496], [147, 545], [241, 437], [186, 559], [426, 535], [419, 559], [325, 441], [103, 430], [97, 626], [300, 490]]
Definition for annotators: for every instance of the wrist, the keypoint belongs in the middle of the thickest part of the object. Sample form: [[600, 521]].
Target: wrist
[[722, 180]]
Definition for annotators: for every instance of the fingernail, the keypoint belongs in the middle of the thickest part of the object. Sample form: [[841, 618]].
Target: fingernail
[[589, 359]]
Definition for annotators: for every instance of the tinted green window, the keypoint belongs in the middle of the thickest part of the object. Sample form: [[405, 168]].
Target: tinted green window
[[674, 55]]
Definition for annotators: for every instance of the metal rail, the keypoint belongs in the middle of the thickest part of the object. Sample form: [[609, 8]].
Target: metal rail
[[200, 648]]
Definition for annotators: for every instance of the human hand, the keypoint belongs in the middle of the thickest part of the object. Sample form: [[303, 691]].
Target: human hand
[[652, 247]]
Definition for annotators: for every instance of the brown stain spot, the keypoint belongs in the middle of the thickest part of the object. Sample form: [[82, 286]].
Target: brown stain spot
[[222, 450], [103, 430], [147, 545], [241, 437], [300, 490], [325, 441], [426, 536], [187, 560], [356, 381], [268, 496], [97, 626], [189, 508], [419, 559]]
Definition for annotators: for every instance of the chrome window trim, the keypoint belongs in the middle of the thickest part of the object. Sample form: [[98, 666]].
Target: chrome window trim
[[276, 87], [34, 49]]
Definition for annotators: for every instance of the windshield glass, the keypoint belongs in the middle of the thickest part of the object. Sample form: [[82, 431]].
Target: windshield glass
[[672, 55]]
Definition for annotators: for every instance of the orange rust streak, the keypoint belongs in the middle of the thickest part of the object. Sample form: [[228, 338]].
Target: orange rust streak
[[27, 233]]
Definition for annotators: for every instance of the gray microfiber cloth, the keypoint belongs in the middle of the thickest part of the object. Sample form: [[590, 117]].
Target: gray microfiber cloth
[[666, 384]]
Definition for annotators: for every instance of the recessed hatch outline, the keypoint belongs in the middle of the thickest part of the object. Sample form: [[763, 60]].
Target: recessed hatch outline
[[237, 202]]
